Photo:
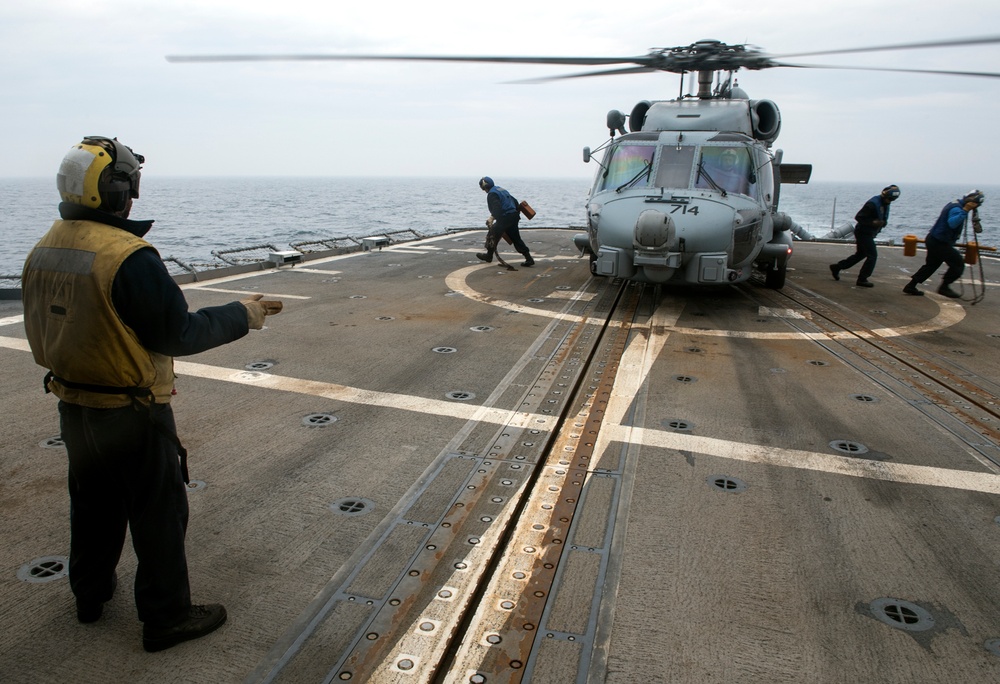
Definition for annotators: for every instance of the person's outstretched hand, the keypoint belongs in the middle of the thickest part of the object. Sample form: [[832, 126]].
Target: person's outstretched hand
[[258, 310]]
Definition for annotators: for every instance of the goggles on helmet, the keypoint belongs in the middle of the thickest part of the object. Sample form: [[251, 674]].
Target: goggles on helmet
[[975, 196], [891, 193]]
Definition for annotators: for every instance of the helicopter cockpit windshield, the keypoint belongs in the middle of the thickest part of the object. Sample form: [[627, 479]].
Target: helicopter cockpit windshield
[[628, 164], [675, 166], [640, 163], [724, 168]]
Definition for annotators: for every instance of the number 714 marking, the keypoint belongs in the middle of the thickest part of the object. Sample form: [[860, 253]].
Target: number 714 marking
[[685, 209]]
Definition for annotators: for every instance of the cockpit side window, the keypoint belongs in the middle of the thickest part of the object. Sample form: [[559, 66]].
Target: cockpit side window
[[727, 168], [765, 178], [674, 170], [624, 163]]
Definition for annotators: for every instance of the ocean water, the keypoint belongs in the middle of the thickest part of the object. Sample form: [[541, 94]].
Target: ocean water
[[818, 207], [197, 215]]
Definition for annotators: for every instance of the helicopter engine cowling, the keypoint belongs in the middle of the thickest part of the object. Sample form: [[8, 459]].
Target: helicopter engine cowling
[[638, 116], [766, 120]]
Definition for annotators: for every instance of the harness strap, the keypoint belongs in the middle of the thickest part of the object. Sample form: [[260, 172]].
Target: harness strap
[[136, 394]]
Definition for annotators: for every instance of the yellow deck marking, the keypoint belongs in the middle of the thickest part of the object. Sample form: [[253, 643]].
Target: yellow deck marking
[[819, 462], [569, 294], [355, 395], [319, 271], [783, 313], [457, 282], [633, 370], [250, 292], [14, 343], [950, 314]]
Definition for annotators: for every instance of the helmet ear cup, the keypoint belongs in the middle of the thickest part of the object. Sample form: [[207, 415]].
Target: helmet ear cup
[[115, 189]]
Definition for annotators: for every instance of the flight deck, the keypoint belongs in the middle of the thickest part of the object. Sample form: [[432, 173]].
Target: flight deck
[[430, 469]]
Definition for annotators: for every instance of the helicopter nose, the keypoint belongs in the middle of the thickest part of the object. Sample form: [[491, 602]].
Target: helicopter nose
[[655, 232]]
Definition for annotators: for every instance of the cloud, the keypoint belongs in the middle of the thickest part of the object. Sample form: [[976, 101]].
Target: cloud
[[72, 68]]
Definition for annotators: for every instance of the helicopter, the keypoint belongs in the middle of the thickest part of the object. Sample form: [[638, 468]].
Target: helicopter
[[689, 193]]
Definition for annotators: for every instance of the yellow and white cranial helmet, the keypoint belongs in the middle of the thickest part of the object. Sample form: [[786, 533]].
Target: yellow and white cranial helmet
[[99, 173]]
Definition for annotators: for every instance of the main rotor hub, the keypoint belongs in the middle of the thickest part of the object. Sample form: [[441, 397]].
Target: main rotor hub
[[708, 55]]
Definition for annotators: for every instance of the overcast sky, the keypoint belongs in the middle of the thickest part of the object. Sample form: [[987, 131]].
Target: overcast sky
[[75, 67]]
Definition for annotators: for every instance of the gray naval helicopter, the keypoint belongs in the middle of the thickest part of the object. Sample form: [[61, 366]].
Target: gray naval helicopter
[[689, 193]]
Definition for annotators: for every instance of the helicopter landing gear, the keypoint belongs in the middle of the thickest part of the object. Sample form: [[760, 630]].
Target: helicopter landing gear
[[774, 275], [593, 264]]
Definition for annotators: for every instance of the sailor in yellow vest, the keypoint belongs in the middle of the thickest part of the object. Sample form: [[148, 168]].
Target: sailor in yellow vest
[[104, 316]]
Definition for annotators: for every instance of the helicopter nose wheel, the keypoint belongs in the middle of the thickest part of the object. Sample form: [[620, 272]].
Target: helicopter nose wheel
[[593, 265], [774, 275]]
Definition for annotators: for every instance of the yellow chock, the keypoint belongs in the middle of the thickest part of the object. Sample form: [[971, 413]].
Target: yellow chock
[[909, 245]]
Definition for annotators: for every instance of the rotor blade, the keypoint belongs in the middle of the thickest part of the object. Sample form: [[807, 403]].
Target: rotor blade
[[585, 61], [609, 72], [955, 42], [981, 74]]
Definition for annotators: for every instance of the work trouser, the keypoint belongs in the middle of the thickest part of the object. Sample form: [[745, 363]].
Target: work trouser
[[506, 224], [939, 252], [865, 249], [124, 474]]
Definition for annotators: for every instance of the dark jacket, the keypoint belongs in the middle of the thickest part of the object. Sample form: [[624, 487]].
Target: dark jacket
[[873, 216], [153, 306]]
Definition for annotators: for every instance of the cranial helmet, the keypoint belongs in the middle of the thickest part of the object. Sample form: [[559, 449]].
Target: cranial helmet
[[486, 183], [890, 193], [100, 173], [976, 196]]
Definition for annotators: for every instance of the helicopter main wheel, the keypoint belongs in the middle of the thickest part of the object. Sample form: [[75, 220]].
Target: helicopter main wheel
[[774, 275], [593, 265]]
